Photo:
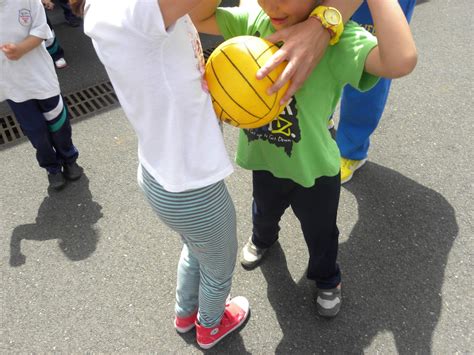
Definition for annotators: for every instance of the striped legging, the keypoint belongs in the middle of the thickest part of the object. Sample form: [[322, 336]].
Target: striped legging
[[205, 219]]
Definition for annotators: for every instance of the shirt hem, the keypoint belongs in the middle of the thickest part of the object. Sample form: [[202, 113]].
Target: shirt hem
[[190, 185], [280, 176]]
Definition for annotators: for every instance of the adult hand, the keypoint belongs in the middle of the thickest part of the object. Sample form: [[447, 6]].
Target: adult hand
[[304, 46]]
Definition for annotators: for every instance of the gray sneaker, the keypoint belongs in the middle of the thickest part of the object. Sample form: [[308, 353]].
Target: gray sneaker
[[329, 301], [251, 255]]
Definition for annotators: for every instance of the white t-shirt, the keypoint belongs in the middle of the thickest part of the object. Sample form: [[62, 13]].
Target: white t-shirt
[[157, 75], [32, 76]]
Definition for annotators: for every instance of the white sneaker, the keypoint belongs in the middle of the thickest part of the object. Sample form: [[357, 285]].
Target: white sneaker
[[60, 63]]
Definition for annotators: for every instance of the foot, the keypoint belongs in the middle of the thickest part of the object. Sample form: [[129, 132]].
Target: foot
[[56, 181], [185, 324], [60, 63], [72, 171], [251, 255], [235, 314], [328, 302], [348, 168]]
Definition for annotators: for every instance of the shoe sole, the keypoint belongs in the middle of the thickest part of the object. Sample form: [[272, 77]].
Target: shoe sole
[[350, 176], [208, 346], [59, 187], [329, 316], [185, 329], [251, 265], [73, 178]]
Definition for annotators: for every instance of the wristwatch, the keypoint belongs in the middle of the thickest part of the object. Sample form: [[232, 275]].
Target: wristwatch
[[331, 19]]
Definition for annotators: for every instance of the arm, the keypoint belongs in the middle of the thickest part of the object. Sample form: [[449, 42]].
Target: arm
[[304, 46], [15, 51], [174, 9], [204, 18], [395, 56]]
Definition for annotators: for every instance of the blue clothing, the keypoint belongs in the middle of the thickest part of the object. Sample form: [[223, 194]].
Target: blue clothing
[[362, 111], [205, 219], [52, 45], [46, 124]]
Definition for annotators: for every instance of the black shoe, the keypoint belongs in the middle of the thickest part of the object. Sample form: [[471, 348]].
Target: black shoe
[[72, 171], [56, 181]]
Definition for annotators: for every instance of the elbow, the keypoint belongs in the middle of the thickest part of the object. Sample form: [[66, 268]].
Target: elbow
[[405, 65]]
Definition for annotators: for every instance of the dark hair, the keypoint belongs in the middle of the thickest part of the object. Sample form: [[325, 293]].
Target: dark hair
[[77, 7]]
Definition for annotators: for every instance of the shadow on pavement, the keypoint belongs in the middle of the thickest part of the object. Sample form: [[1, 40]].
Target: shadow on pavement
[[393, 270], [69, 216]]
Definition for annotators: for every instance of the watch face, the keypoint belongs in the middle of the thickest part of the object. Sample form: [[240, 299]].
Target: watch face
[[332, 16]]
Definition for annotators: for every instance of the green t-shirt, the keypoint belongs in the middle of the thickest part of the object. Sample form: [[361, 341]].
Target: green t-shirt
[[298, 145]]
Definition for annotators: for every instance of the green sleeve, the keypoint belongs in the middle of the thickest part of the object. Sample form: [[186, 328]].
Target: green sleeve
[[237, 21], [348, 57], [232, 21]]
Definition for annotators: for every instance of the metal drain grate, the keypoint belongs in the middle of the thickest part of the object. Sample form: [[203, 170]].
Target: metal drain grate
[[80, 104]]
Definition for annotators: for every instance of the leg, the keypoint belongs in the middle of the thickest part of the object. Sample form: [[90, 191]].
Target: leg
[[316, 209], [54, 49], [269, 204], [206, 220], [187, 289], [361, 112], [360, 115], [57, 118], [32, 122]]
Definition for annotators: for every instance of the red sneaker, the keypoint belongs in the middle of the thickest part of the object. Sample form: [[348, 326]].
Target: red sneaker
[[236, 312], [185, 324]]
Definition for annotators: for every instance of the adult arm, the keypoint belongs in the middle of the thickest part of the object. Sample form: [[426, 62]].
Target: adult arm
[[304, 46]]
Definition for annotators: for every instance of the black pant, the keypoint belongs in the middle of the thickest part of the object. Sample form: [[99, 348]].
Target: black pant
[[316, 209], [54, 49], [48, 131]]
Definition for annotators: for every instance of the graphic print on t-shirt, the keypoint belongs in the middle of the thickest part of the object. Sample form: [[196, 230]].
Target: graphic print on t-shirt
[[198, 52], [283, 131], [24, 17]]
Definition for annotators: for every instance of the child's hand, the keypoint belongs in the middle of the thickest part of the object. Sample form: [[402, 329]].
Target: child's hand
[[12, 51], [48, 4]]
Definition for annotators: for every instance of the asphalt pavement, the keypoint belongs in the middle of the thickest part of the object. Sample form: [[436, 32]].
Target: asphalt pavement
[[91, 269]]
